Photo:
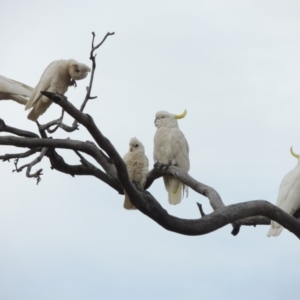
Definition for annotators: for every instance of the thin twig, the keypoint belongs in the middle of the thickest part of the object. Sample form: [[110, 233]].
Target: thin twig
[[201, 210], [38, 173], [58, 124], [93, 59]]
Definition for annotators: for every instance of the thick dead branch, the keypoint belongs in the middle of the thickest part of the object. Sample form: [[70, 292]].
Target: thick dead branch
[[205, 190], [84, 119], [58, 163], [113, 182], [86, 147], [7, 157], [215, 220], [16, 131]]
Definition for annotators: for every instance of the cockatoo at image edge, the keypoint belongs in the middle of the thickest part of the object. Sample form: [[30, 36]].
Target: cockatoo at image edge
[[14, 90], [289, 195]]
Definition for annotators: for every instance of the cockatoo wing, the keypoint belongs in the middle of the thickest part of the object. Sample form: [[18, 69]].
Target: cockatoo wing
[[145, 170], [180, 150], [128, 159], [52, 80], [180, 154], [43, 85]]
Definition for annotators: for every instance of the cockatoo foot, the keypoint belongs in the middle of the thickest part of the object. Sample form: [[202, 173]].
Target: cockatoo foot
[[136, 184], [165, 167], [160, 166], [73, 83]]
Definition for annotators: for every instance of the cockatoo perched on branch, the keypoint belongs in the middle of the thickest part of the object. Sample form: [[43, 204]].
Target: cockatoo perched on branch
[[57, 77], [137, 167], [289, 195], [14, 90], [171, 148]]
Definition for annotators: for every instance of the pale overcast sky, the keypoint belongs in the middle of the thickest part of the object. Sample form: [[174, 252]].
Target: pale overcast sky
[[235, 67]]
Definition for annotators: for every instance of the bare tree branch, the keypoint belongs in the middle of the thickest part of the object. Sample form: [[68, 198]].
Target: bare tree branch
[[215, 220], [205, 190], [16, 131], [58, 123], [86, 147], [7, 157], [38, 173], [93, 59], [58, 163], [200, 209], [113, 182]]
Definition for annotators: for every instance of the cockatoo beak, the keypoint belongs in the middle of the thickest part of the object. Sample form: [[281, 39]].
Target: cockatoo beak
[[155, 122], [181, 116], [293, 153]]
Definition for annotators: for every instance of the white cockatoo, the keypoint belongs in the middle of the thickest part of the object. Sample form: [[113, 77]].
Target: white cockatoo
[[137, 167], [14, 90], [171, 148], [289, 195], [57, 77]]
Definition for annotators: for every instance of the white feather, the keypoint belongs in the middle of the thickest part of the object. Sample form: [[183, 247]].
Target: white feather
[[14, 90], [288, 197], [56, 78], [137, 167], [171, 147]]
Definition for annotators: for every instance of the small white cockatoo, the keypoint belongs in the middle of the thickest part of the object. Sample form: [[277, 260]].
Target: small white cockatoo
[[57, 77], [137, 167], [289, 195], [171, 148], [14, 90]]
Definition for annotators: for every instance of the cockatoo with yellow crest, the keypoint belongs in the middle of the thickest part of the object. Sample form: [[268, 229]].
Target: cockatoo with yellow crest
[[289, 195], [57, 77], [14, 90], [171, 148], [137, 167]]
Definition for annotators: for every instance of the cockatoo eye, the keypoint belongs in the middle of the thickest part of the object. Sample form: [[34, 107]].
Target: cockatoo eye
[[136, 145], [77, 71]]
